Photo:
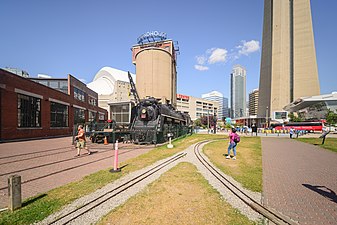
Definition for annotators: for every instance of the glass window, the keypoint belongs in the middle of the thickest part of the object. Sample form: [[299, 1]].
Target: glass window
[[54, 84], [92, 101], [64, 86], [58, 115], [79, 94], [92, 116], [29, 111], [44, 82], [101, 116], [79, 116], [120, 113]]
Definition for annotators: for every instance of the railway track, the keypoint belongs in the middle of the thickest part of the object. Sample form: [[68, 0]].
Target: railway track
[[79, 211], [273, 216], [60, 171], [50, 154]]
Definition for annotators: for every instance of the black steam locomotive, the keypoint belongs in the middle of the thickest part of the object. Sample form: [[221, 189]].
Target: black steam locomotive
[[154, 122]]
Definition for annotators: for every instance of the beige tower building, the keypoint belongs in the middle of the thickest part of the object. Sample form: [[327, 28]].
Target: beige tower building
[[288, 62], [253, 102], [156, 74]]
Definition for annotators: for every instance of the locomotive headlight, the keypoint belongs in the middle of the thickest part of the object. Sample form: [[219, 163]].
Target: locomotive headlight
[[143, 110]]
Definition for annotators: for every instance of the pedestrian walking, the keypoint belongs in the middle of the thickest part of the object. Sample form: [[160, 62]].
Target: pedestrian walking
[[81, 141], [291, 133], [234, 138]]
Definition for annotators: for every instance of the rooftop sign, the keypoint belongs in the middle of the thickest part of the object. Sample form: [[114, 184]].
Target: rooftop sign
[[151, 36]]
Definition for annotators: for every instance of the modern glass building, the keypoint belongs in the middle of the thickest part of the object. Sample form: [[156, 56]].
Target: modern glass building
[[238, 91], [221, 100]]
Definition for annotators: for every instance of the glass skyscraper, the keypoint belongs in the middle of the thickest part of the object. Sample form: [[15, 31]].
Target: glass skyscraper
[[238, 92], [223, 103]]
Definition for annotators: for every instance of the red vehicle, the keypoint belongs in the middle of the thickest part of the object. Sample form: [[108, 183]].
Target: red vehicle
[[308, 126]]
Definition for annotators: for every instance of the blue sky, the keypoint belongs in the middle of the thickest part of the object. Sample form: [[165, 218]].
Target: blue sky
[[80, 37]]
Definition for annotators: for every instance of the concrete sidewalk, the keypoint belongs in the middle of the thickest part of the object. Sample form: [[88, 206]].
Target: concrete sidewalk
[[300, 180], [50, 163]]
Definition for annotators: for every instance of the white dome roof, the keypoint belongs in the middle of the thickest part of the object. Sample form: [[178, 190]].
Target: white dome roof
[[105, 79]]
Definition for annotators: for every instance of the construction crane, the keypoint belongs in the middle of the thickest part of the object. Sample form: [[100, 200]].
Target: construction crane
[[133, 89]]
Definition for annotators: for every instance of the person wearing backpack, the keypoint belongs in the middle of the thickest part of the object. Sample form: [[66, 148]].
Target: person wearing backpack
[[234, 138]]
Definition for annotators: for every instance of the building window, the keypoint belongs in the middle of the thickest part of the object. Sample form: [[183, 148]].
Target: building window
[[58, 115], [92, 101], [29, 111], [92, 116], [79, 94], [120, 113], [79, 116], [101, 116], [64, 86]]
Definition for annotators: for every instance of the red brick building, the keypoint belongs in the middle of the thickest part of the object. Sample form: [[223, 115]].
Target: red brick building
[[33, 107]]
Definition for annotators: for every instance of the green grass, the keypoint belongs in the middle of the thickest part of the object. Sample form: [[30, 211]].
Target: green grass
[[39, 207], [330, 143], [247, 169], [163, 203]]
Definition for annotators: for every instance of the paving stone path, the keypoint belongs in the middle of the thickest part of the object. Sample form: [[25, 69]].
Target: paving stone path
[[300, 180], [41, 158]]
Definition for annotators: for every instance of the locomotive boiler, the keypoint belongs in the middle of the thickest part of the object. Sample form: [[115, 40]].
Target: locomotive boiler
[[154, 122]]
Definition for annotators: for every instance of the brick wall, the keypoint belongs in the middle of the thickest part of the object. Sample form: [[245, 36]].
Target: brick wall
[[10, 83]]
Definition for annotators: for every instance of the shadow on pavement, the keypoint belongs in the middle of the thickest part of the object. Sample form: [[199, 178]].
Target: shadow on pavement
[[324, 191]]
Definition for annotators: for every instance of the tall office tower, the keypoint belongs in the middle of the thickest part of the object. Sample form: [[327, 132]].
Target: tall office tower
[[155, 60], [253, 102], [219, 98], [288, 61], [238, 92]]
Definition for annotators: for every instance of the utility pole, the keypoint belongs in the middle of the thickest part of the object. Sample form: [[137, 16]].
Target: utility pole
[[207, 120], [267, 118]]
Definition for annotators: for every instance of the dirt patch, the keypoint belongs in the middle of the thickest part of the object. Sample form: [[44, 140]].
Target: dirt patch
[[180, 196]]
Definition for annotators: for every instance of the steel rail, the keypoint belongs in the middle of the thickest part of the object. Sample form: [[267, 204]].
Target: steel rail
[[256, 206], [123, 187]]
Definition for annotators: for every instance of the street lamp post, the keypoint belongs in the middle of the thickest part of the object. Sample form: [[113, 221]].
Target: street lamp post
[[214, 123], [267, 118], [207, 120]]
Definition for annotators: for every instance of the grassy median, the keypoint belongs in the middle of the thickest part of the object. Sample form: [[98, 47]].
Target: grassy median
[[180, 196], [39, 207], [330, 143], [247, 168]]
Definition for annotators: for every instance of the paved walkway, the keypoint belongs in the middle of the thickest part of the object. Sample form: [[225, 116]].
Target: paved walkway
[[49, 163], [300, 180]]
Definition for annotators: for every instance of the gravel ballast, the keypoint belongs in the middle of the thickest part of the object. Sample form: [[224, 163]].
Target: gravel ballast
[[94, 215]]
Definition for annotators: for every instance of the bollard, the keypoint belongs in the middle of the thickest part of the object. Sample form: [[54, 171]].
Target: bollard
[[170, 145], [14, 192], [116, 169]]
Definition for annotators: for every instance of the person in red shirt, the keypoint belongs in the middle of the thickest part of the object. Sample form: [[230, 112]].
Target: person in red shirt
[[232, 144], [81, 141]]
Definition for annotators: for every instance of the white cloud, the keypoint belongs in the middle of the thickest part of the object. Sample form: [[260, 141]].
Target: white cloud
[[217, 55], [201, 60], [201, 68], [248, 47]]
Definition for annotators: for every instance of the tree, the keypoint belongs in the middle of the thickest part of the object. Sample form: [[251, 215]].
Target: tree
[[205, 120], [197, 123], [293, 118], [331, 117]]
